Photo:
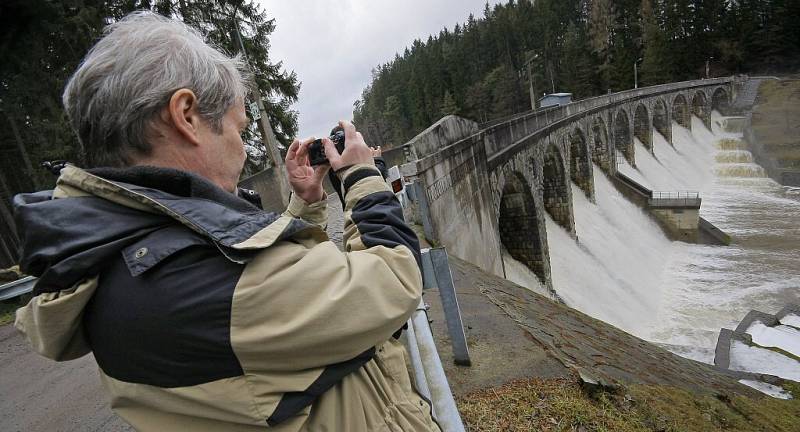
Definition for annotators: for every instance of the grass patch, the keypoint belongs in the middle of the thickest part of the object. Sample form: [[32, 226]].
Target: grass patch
[[7, 310], [561, 405]]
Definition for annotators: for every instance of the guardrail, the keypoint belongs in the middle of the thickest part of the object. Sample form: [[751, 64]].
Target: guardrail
[[674, 195], [17, 288], [686, 199]]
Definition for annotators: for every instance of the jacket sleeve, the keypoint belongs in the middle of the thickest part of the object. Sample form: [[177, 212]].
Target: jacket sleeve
[[323, 306], [315, 213]]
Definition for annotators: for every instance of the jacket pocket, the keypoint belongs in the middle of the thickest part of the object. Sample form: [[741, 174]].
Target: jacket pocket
[[159, 245]]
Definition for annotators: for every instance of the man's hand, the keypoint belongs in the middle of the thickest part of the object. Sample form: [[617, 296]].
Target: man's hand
[[306, 181], [355, 149]]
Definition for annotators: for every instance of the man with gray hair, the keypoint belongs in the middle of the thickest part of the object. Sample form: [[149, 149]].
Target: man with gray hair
[[204, 312]]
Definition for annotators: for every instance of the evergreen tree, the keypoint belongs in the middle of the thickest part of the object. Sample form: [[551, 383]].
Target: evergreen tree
[[656, 68], [449, 104]]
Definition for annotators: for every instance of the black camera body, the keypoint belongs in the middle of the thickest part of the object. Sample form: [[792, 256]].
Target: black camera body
[[316, 151]]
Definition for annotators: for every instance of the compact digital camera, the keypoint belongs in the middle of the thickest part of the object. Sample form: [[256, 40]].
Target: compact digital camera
[[316, 151]]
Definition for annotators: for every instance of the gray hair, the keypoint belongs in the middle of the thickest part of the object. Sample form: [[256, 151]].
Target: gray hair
[[129, 76]]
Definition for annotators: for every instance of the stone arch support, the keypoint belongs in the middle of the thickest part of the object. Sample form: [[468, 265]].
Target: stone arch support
[[580, 164], [598, 136], [556, 191], [680, 111], [623, 141], [521, 231], [662, 121], [642, 129], [721, 100], [701, 107]]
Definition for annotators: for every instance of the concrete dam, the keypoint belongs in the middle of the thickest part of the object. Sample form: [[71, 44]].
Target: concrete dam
[[537, 198]]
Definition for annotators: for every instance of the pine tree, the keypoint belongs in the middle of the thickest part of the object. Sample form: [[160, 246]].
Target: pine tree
[[449, 104], [655, 61]]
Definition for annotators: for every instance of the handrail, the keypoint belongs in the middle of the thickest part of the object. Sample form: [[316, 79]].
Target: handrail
[[17, 288], [674, 195]]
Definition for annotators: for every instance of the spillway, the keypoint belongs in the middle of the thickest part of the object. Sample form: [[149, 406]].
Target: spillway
[[622, 269]]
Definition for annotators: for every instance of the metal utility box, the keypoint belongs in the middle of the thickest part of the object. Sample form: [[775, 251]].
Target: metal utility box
[[555, 99]]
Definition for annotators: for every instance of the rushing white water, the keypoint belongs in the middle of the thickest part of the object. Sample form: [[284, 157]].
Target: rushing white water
[[623, 270], [619, 250], [520, 274]]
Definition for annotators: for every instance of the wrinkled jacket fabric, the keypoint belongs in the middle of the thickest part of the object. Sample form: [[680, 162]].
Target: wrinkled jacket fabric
[[206, 313]]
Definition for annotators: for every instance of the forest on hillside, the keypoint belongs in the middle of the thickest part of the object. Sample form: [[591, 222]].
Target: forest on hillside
[[478, 69]]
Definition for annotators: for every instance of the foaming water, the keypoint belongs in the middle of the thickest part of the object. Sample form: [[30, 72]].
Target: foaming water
[[734, 156], [706, 288], [612, 271], [623, 270], [520, 274], [739, 170]]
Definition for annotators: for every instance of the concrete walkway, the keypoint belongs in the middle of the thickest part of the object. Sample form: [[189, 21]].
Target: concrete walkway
[[42, 395]]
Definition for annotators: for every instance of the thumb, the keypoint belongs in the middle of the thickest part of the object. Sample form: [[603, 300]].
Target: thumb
[[334, 158]]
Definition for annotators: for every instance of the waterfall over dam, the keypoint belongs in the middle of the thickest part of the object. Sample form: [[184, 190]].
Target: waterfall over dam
[[624, 270]]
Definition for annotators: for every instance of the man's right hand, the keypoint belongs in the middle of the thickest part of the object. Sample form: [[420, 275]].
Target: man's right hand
[[355, 152]]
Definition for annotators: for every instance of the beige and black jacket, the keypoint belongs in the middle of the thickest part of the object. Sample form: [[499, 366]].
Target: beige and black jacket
[[205, 313]]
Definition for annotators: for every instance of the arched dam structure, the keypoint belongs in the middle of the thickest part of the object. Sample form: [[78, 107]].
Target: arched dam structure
[[488, 187]]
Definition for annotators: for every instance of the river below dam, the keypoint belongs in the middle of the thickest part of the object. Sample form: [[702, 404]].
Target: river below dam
[[623, 269]]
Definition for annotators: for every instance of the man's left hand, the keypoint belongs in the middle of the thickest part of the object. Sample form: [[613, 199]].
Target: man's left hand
[[306, 181]]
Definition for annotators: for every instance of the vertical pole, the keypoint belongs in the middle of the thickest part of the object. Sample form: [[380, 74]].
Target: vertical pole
[[452, 313], [267, 134], [530, 86], [635, 75]]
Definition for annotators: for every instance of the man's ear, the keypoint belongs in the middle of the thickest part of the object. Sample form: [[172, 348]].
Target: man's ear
[[183, 114]]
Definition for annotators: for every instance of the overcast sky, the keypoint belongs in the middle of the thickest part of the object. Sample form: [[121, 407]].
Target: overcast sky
[[334, 45]]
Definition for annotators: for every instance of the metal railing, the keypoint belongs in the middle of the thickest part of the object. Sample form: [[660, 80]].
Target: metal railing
[[429, 377], [689, 199], [17, 288], [674, 195]]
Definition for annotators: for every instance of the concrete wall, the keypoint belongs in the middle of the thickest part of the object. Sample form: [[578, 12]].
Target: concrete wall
[[465, 169], [681, 222], [266, 184], [459, 196]]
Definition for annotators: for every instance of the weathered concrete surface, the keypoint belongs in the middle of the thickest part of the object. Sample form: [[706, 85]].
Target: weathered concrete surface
[[514, 333], [444, 132], [37, 394]]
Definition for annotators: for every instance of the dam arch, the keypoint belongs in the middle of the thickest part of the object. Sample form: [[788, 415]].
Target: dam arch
[[580, 163], [623, 142], [641, 126], [721, 100], [555, 188], [700, 108], [520, 231], [599, 136], [661, 119], [680, 111]]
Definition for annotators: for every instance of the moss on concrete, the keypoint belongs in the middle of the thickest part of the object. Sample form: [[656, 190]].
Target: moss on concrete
[[7, 310], [563, 405]]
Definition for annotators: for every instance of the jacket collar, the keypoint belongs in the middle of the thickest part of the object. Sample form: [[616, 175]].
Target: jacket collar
[[70, 233]]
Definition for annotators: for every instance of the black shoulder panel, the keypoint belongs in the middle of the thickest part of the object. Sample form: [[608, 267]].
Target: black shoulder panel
[[379, 218], [169, 326]]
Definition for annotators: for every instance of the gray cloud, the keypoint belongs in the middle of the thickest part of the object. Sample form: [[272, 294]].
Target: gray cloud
[[333, 46]]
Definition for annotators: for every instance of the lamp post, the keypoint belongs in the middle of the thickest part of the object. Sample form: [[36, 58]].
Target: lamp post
[[267, 134], [529, 71], [708, 70], [636, 73]]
